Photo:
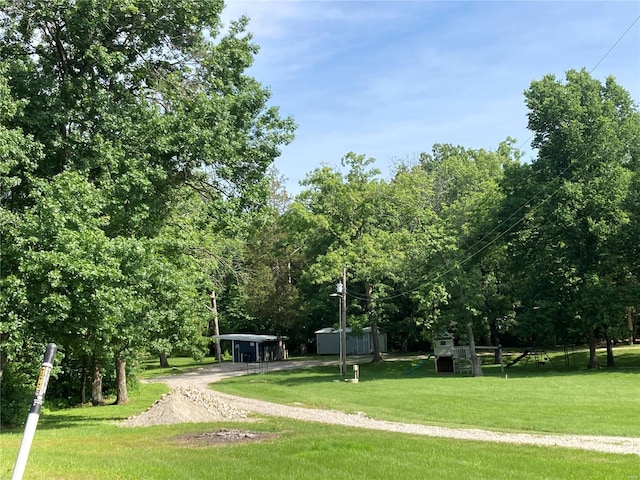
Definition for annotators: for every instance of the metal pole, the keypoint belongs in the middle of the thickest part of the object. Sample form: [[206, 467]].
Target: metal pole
[[343, 322], [340, 332], [339, 295], [34, 412]]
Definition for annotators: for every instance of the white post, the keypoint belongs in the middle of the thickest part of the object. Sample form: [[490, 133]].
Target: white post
[[34, 412], [343, 322]]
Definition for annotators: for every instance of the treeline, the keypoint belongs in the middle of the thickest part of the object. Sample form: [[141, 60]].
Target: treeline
[[135, 184], [535, 254]]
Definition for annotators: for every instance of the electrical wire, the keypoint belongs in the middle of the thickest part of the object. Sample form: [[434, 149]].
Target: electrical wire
[[524, 205], [598, 63], [493, 240], [615, 44]]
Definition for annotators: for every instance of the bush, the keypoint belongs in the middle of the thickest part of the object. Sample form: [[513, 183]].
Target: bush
[[15, 397]]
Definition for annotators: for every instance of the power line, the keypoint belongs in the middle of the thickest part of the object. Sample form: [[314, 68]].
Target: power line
[[487, 245], [615, 44], [470, 256], [598, 63]]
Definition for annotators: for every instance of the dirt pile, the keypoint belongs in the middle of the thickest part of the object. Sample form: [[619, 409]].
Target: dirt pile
[[186, 405], [224, 437]]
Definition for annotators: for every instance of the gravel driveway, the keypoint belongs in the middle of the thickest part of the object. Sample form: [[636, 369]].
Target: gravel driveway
[[207, 375]]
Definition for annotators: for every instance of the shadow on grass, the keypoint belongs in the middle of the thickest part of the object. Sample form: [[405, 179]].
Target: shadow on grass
[[59, 422], [177, 366]]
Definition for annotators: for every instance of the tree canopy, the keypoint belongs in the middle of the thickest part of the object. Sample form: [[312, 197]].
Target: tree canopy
[[572, 236], [133, 141]]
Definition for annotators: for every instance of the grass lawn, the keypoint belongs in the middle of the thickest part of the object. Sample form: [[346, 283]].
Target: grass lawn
[[535, 398], [85, 443], [150, 367]]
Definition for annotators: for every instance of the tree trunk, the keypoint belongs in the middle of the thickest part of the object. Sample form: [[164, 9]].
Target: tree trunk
[[494, 339], [122, 396], [593, 358], [476, 362], [3, 363], [96, 384], [83, 390], [610, 361], [280, 352], [497, 355], [164, 360], [216, 326], [377, 355]]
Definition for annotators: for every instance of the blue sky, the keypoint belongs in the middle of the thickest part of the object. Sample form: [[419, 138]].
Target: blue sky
[[388, 79]]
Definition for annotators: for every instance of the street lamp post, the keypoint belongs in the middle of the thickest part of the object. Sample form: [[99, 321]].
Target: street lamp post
[[341, 292], [341, 289], [338, 295], [343, 352], [343, 321]]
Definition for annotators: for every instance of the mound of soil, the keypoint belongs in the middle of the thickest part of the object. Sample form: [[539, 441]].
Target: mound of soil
[[186, 405]]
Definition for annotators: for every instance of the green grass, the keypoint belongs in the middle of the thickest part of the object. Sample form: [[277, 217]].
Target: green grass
[[540, 398], [150, 367], [85, 443]]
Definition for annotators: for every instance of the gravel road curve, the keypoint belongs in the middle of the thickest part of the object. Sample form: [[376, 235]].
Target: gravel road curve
[[205, 376]]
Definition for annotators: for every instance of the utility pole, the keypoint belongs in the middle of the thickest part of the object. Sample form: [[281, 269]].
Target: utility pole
[[343, 322], [214, 310]]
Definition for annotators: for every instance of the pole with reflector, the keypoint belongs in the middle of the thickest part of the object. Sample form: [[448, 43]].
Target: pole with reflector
[[34, 412]]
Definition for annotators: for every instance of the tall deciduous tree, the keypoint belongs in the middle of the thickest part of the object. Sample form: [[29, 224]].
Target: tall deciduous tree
[[366, 224], [129, 102], [586, 133], [272, 293], [465, 197], [18, 157]]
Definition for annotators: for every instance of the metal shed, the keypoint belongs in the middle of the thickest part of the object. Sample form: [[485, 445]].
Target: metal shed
[[328, 341]]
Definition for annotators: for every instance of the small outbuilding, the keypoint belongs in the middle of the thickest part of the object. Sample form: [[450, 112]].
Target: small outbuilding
[[358, 343], [250, 348]]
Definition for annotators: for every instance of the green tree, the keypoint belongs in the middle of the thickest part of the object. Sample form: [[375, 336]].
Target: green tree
[[575, 195], [454, 273], [130, 101], [68, 269], [470, 180], [19, 155], [413, 208], [345, 222], [273, 296]]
